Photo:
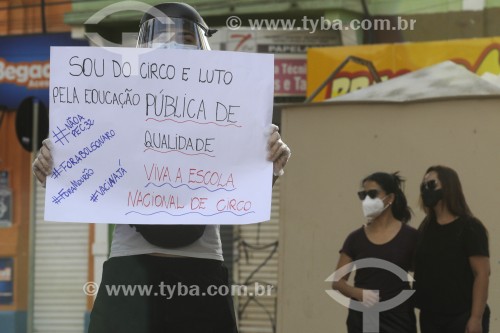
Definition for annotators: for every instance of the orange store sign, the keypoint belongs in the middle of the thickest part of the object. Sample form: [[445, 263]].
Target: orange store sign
[[390, 60]]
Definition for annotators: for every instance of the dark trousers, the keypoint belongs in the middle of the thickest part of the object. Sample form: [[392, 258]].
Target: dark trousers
[[156, 309], [391, 321], [444, 323]]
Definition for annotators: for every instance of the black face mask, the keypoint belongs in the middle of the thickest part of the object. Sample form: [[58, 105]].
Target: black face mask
[[431, 197]]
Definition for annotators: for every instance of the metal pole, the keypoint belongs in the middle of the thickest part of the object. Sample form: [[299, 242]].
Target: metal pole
[[337, 70], [31, 256], [44, 20]]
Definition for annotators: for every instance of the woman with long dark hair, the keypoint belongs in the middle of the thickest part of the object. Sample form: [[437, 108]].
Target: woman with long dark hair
[[452, 265], [387, 237]]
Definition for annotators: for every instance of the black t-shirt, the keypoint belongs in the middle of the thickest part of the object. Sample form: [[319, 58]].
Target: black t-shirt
[[443, 275], [399, 251]]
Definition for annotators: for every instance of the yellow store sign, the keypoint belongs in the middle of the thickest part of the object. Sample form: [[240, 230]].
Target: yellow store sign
[[390, 60]]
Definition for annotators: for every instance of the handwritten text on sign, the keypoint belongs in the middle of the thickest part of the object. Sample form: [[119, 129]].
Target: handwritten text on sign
[[147, 136]]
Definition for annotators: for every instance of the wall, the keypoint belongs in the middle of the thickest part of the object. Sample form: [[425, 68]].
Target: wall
[[24, 17], [14, 239], [17, 18], [333, 148]]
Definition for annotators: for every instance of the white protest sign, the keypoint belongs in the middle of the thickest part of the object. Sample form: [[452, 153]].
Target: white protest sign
[[145, 136]]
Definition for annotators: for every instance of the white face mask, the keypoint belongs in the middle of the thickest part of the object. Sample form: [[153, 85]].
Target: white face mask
[[372, 208], [175, 45]]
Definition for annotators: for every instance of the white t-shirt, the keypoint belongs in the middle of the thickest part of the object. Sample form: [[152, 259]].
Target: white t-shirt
[[128, 242]]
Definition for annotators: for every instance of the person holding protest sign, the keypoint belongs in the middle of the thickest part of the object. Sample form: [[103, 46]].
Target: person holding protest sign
[[385, 238], [452, 260], [178, 282]]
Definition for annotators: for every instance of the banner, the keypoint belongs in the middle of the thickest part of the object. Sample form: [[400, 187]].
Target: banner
[[390, 60], [144, 136], [24, 66]]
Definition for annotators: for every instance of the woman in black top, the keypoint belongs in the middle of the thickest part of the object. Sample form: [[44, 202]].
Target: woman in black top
[[385, 240], [452, 260]]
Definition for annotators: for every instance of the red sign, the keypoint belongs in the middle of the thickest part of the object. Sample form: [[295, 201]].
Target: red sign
[[290, 75]]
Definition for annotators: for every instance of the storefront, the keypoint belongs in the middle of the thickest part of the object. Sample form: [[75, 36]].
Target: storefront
[[60, 250]]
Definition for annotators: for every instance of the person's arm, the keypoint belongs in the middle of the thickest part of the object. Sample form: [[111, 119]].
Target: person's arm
[[42, 166], [481, 269], [279, 153], [368, 297], [341, 285]]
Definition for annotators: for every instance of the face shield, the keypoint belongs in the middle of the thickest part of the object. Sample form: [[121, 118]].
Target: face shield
[[178, 33]]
